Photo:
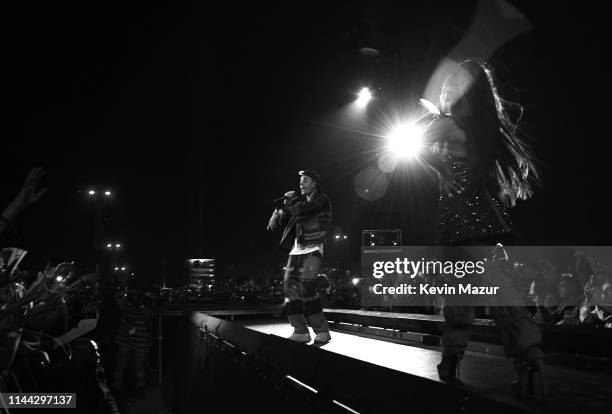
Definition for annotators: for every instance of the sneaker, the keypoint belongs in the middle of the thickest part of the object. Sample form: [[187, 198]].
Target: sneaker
[[322, 337], [305, 337]]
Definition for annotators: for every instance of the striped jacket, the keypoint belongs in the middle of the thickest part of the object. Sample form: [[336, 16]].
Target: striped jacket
[[308, 221], [134, 330]]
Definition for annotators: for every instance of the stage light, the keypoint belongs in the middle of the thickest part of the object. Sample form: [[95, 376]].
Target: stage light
[[107, 193], [110, 246], [369, 52], [345, 236], [123, 268], [116, 268], [405, 140], [59, 278], [363, 97], [355, 281], [337, 236], [117, 245], [92, 192]]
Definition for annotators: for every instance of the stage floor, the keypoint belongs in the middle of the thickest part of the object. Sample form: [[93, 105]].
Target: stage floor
[[491, 375]]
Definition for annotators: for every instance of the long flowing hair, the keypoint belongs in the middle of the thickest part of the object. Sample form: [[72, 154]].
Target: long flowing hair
[[496, 144]]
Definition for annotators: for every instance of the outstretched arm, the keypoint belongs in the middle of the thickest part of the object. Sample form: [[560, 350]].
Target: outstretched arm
[[26, 196]]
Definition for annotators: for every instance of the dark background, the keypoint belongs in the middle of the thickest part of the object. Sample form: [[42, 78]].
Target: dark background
[[197, 115]]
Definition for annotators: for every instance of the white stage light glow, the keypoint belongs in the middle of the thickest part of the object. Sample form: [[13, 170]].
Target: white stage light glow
[[363, 97], [405, 141]]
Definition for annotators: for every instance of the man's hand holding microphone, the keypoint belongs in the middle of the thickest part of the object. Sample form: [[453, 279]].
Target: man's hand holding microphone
[[277, 214]]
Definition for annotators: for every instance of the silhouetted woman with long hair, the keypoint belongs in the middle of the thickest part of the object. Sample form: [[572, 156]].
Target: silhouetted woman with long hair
[[484, 166]]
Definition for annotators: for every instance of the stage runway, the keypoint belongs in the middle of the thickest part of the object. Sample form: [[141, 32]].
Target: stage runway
[[490, 375]]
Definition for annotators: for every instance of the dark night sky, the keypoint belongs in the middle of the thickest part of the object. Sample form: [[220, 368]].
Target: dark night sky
[[197, 116]]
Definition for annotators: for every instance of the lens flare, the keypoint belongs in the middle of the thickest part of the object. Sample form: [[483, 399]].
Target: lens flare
[[405, 141]]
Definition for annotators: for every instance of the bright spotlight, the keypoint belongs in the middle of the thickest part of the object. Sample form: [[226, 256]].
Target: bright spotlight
[[363, 97], [116, 268], [405, 140], [123, 268], [92, 192], [345, 236], [107, 193], [109, 245], [117, 245], [337, 236], [59, 278], [355, 281]]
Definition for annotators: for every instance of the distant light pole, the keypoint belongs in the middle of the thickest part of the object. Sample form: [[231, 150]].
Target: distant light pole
[[341, 249], [100, 200], [113, 248]]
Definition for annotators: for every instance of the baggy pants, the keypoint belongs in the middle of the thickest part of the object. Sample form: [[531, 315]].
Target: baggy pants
[[303, 304], [518, 331]]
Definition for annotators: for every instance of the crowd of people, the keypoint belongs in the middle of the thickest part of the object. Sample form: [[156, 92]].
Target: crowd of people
[[553, 295], [336, 289], [560, 295], [65, 330], [580, 297]]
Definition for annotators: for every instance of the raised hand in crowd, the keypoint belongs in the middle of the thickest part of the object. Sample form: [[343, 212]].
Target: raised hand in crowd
[[28, 194]]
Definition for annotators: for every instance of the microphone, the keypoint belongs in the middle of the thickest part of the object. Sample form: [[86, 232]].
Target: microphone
[[280, 201]]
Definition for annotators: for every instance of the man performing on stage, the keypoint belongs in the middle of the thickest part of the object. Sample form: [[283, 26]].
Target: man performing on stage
[[306, 218]]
